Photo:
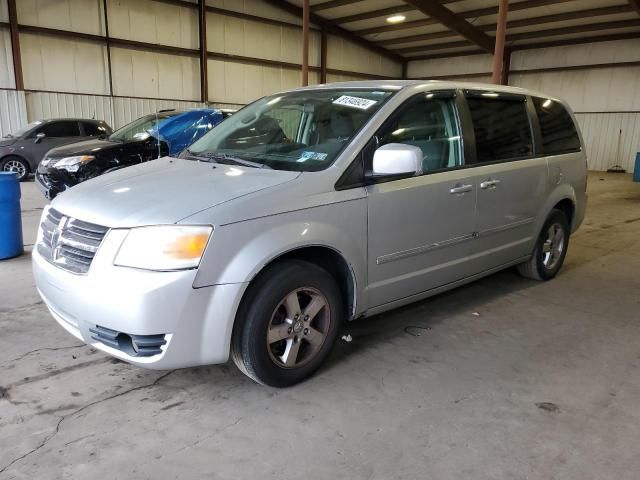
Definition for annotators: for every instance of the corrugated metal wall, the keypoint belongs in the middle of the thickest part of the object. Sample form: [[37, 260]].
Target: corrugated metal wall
[[116, 111], [241, 83], [77, 69], [343, 54], [128, 109], [611, 139], [606, 100], [238, 82], [13, 111], [58, 105]]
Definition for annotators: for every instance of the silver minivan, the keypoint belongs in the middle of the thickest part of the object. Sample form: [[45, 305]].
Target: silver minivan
[[306, 209]]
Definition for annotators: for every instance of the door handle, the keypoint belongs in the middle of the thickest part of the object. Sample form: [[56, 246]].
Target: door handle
[[460, 188], [489, 184]]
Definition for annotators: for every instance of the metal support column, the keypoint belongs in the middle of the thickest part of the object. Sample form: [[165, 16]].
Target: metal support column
[[15, 44], [323, 55], [498, 53], [202, 35], [305, 43]]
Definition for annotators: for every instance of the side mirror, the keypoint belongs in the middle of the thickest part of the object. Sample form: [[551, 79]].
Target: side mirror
[[39, 137], [396, 160]]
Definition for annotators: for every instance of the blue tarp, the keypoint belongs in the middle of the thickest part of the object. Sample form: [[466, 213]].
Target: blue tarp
[[180, 131]]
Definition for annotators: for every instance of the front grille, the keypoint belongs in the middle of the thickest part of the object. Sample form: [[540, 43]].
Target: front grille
[[69, 243], [133, 345]]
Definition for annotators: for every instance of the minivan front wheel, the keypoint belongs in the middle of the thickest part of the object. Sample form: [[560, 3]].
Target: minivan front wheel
[[16, 165], [550, 250], [287, 323]]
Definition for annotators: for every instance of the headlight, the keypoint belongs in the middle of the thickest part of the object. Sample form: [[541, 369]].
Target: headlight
[[71, 164], [164, 247]]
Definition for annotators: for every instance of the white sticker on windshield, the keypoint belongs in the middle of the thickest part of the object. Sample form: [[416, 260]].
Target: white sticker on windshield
[[355, 102], [311, 156]]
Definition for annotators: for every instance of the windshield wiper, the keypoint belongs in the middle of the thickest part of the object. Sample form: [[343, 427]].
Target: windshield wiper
[[230, 160], [192, 156]]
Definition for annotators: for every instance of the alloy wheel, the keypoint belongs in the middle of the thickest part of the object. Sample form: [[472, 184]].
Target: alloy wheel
[[298, 327], [15, 166], [553, 246]]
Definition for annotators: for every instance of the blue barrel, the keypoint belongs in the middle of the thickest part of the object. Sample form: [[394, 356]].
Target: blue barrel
[[636, 169], [10, 219]]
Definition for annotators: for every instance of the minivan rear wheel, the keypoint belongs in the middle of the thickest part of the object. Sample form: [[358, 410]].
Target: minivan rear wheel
[[550, 249], [287, 323]]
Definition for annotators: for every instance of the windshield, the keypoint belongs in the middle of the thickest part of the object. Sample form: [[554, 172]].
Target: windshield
[[21, 131], [303, 131], [139, 129]]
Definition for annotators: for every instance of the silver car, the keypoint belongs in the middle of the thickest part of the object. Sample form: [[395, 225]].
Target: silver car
[[306, 209]]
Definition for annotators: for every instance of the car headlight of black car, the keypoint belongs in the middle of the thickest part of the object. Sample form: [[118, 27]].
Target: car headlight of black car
[[70, 164]]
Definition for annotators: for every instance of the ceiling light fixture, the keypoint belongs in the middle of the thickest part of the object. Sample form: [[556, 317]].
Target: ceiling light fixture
[[396, 18]]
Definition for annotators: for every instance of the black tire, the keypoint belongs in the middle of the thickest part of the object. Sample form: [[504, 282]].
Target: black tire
[[16, 164], [540, 266], [263, 301]]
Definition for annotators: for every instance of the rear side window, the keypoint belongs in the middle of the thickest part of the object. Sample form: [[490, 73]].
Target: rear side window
[[501, 127], [559, 134], [60, 129]]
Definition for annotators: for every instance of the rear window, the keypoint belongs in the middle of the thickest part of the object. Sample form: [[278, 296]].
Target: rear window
[[559, 134], [501, 127]]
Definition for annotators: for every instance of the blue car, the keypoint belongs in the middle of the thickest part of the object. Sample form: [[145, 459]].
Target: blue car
[[153, 136]]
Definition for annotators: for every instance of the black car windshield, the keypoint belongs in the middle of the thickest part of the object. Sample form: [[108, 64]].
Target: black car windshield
[[22, 131], [139, 129], [302, 131]]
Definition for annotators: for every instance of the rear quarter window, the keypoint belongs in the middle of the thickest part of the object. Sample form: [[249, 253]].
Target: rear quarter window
[[559, 133]]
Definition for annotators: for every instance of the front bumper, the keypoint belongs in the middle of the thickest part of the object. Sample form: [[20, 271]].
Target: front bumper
[[196, 323], [49, 186]]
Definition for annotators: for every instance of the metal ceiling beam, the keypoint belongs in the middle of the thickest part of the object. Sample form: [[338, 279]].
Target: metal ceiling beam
[[433, 56], [335, 29], [438, 46], [593, 27], [480, 12], [179, 3], [578, 41], [559, 17], [383, 12], [332, 4], [454, 22]]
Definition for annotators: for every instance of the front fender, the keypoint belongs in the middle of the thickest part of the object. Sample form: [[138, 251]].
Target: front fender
[[238, 252]]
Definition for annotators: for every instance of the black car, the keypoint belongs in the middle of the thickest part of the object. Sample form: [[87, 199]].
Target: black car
[[22, 150], [134, 143]]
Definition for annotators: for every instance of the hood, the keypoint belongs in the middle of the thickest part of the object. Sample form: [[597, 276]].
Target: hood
[[163, 191], [5, 142], [86, 147]]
